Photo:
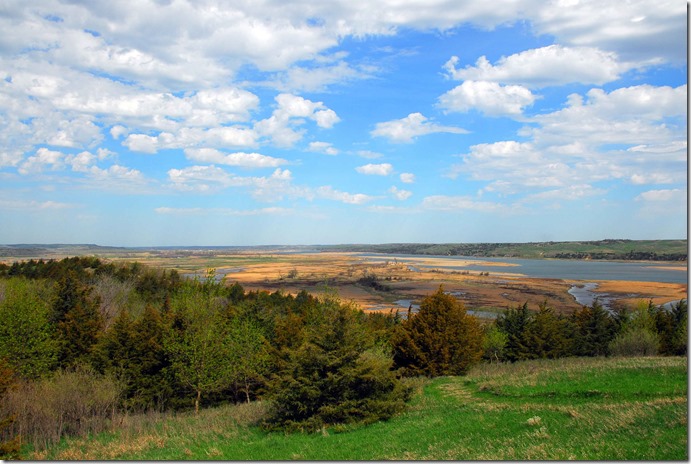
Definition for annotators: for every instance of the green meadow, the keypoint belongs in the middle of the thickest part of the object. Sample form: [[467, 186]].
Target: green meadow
[[565, 409]]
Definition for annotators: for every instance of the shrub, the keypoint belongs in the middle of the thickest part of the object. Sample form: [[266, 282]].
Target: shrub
[[27, 341], [9, 442], [635, 342], [75, 402], [494, 343], [335, 376]]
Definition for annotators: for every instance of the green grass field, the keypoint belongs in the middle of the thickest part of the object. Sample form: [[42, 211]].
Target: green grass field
[[578, 408]]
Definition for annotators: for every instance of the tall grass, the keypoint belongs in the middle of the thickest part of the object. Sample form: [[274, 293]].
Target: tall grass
[[566, 409]]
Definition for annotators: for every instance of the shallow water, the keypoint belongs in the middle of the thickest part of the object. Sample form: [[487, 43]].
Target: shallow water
[[568, 269]]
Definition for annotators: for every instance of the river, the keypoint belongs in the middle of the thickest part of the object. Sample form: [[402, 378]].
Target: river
[[566, 269]]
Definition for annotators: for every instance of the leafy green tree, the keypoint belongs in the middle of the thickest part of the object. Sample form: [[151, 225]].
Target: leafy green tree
[[494, 343], [634, 341], [442, 339], [249, 355], [27, 341], [198, 349], [335, 376]]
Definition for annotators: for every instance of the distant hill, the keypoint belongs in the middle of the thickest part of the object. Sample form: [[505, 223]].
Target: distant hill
[[45, 250], [613, 249]]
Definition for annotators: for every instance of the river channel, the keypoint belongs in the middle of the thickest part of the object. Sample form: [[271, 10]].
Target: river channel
[[584, 270]]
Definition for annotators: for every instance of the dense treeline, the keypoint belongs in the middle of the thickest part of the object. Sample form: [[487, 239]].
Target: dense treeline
[[83, 340], [144, 339], [521, 334]]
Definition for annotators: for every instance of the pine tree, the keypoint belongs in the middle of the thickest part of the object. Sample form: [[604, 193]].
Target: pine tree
[[133, 352], [515, 323], [546, 334], [441, 339], [335, 376], [595, 329]]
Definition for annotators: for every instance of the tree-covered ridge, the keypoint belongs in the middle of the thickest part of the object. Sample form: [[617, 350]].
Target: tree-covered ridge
[[613, 249]]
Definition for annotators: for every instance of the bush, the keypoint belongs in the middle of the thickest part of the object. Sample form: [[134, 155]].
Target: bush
[[635, 342], [335, 376], [75, 402], [27, 341], [9, 443]]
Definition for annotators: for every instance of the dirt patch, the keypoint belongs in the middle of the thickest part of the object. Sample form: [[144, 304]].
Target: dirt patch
[[441, 262], [344, 273]]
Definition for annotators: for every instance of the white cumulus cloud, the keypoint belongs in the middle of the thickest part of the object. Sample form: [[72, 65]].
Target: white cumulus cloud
[[383, 169], [245, 160], [291, 111], [400, 194], [323, 147], [546, 66], [490, 98], [330, 193], [405, 130]]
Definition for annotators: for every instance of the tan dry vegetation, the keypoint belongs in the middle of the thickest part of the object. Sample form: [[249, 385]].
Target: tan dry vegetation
[[631, 292], [318, 273], [323, 272], [140, 433]]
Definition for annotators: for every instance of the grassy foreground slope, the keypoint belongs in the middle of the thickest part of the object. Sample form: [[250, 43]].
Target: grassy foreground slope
[[572, 408]]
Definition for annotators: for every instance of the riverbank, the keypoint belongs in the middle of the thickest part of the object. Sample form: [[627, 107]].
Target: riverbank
[[375, 282], [404, 278]]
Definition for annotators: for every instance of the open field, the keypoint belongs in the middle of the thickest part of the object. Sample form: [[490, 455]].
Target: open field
[[567, 409], [404, 280]]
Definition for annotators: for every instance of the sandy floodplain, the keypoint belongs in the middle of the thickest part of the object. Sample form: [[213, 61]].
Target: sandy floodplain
[[399, 280], [403, 280]]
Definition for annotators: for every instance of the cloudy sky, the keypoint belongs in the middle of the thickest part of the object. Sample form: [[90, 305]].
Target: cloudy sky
[[250, 122]]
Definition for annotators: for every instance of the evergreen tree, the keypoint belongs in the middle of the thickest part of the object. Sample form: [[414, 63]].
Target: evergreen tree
[[594, 330], [546, 334], [335, 376], [441, 339], [672, 327], [515, 323], [153, 384], [76, 316], [133, 352]]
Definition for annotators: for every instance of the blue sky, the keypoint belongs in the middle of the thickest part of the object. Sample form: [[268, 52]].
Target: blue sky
[[143, 123]]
